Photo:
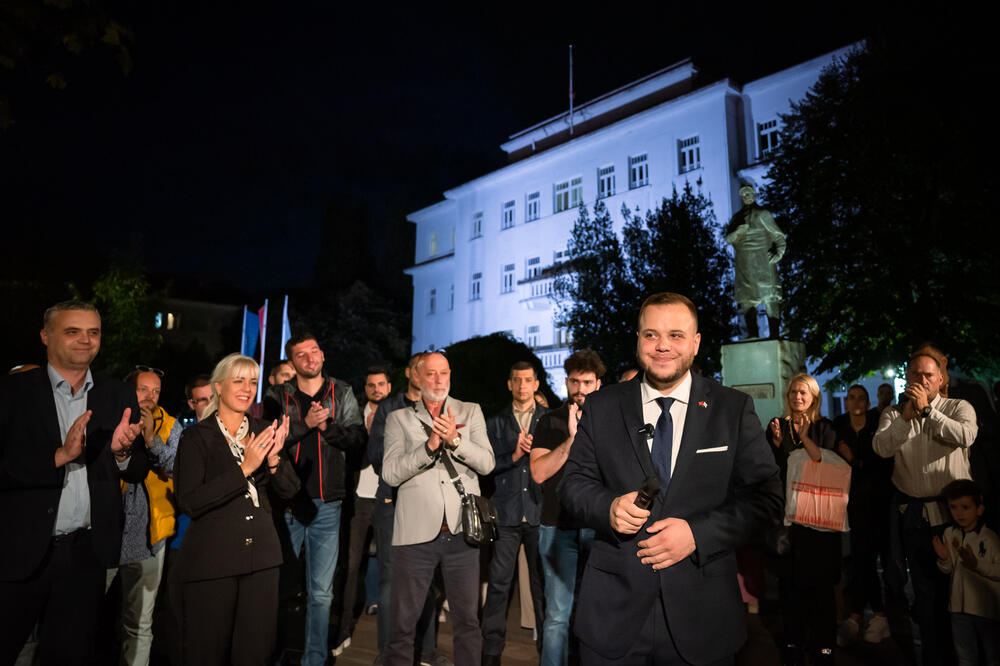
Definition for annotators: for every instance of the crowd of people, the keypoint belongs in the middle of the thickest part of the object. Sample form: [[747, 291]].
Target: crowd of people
[[647, 511]]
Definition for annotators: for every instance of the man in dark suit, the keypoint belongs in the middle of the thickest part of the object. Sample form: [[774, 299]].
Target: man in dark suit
[[66, 441], [518, 500], [660, 584]]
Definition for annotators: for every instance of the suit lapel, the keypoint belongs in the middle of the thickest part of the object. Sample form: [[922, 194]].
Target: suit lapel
[[631, 405], [695, 419], [47, 402]]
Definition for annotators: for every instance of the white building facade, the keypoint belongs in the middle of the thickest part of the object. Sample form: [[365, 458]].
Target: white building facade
[[483, 254]]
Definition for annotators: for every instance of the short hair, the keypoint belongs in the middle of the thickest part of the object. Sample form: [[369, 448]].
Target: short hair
[[233, 365], [963, 488], [584, 360], [298, 340], [668, 298], [376, 370], [886, 385], [859, 386], [415, 360], [197, 382], [522, 365], [277, 366], [71, 304], [804, 378]]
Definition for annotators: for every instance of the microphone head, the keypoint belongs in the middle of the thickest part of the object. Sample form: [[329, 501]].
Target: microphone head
[[651, 486]]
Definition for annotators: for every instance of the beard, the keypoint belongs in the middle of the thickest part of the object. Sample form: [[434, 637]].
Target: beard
[[435, 395], [684, 364]]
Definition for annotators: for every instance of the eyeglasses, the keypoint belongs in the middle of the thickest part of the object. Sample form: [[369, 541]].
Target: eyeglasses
[[145, 368]]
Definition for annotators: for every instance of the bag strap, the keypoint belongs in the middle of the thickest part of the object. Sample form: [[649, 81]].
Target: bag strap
[[445, 459]]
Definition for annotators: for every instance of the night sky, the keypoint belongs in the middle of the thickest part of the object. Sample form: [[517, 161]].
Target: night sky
[[245, 132]]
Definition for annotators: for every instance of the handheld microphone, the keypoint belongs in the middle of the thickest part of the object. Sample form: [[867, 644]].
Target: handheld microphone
[[646, 430], [649, 490]]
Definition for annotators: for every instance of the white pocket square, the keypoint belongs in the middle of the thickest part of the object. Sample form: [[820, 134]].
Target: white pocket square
[[714, 449]]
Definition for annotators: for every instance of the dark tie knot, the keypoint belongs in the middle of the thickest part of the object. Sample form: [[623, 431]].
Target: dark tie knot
[[665, 403]]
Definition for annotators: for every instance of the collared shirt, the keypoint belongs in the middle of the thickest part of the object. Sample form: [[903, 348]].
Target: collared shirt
[[928, 452], [524, 418], [367, 478], [678, 412], [74, 501]]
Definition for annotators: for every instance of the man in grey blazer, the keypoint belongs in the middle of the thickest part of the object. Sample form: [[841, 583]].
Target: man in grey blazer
[[428, 518]]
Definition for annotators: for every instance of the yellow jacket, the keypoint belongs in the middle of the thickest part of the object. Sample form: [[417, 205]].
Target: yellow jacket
[[160, 488]]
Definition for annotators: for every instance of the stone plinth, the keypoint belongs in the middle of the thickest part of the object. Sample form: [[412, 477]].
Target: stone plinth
[[761, 369]]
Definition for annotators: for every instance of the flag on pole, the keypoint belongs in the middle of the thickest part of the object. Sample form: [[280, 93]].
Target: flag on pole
[[286, 329], [263, 340], [251, 331]]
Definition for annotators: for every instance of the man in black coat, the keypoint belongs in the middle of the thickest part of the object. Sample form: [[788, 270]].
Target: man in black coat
[[518, 500], [660, 584], [66, 441]]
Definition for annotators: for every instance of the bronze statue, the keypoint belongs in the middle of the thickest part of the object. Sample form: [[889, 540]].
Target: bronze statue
[[758, 245]]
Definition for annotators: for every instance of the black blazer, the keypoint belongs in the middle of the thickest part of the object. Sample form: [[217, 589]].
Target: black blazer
[[30, 483], [724, 483], [511, 478], [228, 535]]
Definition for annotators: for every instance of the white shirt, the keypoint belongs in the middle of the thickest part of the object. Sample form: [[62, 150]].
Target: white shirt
[[367, 479], [928, 452], [74, 500], [678, 412], [973, 592]]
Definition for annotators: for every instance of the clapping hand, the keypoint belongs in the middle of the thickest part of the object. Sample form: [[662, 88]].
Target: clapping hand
[[775, 426], [255, 449], [317, 415], [444, 427], [574, 419], [280, 433], [939, 548], [524, 440], [968, 557], [76, 439], [124, 435]]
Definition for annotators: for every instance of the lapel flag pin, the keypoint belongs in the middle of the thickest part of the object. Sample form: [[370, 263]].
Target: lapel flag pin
[[703, 404]]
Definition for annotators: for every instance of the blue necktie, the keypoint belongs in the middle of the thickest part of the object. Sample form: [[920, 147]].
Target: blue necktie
[[663, 442]]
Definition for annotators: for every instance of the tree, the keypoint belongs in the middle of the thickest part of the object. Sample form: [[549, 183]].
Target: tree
[[598, 300], [673, 248], [677, 248], [886, 203], [356, 327], [127, 314]]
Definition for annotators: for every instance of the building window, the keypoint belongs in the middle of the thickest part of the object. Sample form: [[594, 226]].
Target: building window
[[432, 301], [559, 256], [606, 182], [451, 298], [476, 286], [507, 279], [689, 157], [434, 244], [531, 338], [562, 337], [508, 215], [568, 194], [638, 171], [768, 137], [532, 206], [532, 268], [477, 225]]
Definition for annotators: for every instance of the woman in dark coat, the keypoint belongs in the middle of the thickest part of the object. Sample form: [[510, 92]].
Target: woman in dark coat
[[227, 567]]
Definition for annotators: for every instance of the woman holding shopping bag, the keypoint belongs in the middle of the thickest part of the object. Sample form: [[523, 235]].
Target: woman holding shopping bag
[[811, 568]]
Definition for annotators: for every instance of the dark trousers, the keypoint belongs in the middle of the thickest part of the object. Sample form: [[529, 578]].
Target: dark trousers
[[412, 573], [63, 596], [382, 519], [930, 586], [869, 542], [359, 537], [808, 574], [502, 567], [654, 647], [230, 620]]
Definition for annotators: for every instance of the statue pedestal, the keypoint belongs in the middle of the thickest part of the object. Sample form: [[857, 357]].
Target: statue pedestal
[[761, 369]]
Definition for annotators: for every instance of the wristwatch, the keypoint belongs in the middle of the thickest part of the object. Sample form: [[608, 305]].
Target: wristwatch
[[455, 442], [925, 412]]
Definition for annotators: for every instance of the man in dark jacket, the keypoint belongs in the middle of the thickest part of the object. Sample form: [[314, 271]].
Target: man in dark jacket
[[518, 499], [67, 440], [324, 423]]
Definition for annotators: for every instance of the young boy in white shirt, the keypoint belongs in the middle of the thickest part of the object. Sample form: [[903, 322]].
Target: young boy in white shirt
[[970, 553]]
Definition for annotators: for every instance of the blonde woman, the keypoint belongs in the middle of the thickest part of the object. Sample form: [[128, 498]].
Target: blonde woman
[[227, 567], [811, 568]]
